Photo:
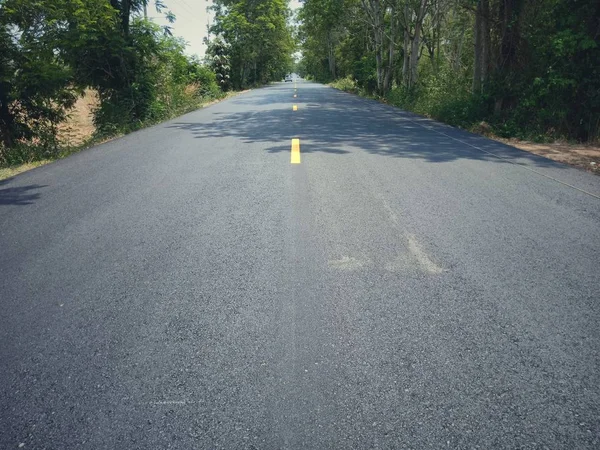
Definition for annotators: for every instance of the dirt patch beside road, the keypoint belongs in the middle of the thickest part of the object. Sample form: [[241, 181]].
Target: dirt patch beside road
[[586, 157], [79, 127]]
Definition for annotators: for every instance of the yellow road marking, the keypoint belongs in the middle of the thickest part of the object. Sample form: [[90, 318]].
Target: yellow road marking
[[295, 108], [295, 151]]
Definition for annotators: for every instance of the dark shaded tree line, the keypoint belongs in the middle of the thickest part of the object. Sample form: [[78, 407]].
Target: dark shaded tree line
[[258, 37], [51, 50], [527, 67]]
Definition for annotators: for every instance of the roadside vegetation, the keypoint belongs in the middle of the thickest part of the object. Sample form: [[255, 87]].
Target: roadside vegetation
[[257, 37], [528, 69], [52, 52]]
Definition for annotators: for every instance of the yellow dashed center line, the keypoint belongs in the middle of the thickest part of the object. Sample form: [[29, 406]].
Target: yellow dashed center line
[[295, 151], [295, 154]]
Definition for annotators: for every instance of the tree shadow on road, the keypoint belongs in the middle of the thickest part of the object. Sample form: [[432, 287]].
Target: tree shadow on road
[[335, 122], [21, 195]]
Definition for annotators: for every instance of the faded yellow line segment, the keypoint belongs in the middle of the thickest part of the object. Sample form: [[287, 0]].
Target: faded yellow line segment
[[295, 108], [295, 151]]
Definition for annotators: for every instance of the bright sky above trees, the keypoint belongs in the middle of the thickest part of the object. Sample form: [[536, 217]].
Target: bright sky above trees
[[191, 22]]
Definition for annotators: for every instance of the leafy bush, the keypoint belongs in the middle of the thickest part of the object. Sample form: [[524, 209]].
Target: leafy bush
[[442, 96], [159, 81], [364, 71], [37, 85], [51, 50], [218, 56], [205, 80], [347, 84], [527, 68]]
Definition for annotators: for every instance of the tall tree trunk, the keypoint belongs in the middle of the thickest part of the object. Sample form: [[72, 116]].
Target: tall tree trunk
[[506, 64], [331, 55], [378, 25], [387, 81], [379, 64], [414, 51], [406, 60], [485, 42], [478, 49], [406, 48], [413, 73], [374, 12], [482, 46], [438, 36], [125, 14], [6, 118]]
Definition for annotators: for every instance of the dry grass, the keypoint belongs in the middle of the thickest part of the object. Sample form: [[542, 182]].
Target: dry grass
[[79, 127], [8, 172]]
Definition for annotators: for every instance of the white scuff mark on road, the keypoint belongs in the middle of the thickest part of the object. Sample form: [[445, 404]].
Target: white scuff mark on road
[[422, 258], [346, 263], [401, 262], [393, 216], [170, 402]]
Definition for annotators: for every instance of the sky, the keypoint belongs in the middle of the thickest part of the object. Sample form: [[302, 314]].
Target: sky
[[192, 21]]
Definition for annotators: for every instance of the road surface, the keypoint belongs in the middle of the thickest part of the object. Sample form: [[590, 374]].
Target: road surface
[[402, 284]]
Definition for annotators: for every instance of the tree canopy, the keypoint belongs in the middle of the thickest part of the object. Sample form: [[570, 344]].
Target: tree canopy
[[529, 67], [51, 50], [259, 36]]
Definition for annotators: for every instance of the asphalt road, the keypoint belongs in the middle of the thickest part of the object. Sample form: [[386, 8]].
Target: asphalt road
[[406, 285]]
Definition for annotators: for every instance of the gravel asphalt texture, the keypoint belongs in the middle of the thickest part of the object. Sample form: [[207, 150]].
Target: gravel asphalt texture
[[408, 285]]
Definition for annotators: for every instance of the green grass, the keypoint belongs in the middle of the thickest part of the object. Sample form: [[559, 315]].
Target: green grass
[[9, 172]]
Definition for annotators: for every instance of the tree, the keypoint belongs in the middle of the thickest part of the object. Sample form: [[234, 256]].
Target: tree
[[323, 23], [259, 36], [126, 8], [217, 57], [51, 50], [534, 67], [37, 84], [481, 63]]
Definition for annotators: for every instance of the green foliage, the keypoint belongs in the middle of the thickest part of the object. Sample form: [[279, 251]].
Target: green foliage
[[443, 96], [347, 84], [206, 81], [559, 88], [153, 81], [37, 85], [218, 56], [322, 33], [365, 73], [259, 39], [51, 50], [540, 79]]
